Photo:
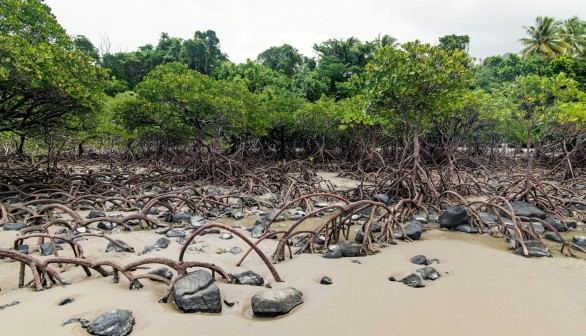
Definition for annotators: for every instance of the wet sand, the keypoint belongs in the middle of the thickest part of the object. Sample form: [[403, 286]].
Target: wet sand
[[484, 290]]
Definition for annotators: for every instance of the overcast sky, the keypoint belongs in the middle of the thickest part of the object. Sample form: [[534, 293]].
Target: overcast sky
[[248, 27]]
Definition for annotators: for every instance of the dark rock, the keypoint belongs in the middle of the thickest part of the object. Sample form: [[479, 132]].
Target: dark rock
[[118, 322], [272, 215], [182, 217], [65, 301], [413, 280], [233, 250], [22, 249], [349, 249], [319, 240], [209, 231], [106, 225], [393, 279], [275, 302], [422, 260], [374, 227], [556, 223], [175, 233], [413, 231], [257, 230], [525, 209], [162, 243], [247, 278], [382, 198], [326, 280], [572, 224], [535, 248], [359, 237], [13, 226], [197, 293], [538, 227], [453, 216], [579, 240], [428, 273], [553, 237], [113, 247], [154, 211], [355, 261], [84, 323], [163, 272], [96, 214], [226, 236], [47, 249], [333, 254], [466, 228], [487, 219]]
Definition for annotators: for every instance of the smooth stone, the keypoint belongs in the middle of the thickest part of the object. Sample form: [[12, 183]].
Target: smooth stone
[[113, 247], [382, 198], [196, 292], [96, 214], [428, 273], [453, 216], [579, 240], [553, 237], [525, 209], [162, 243], [163, 272], [422, 260], [258, 230], [84, 323], [349, 249], [175, 233], [13, 226], [226, 236], [413, 280], [23, 249], [106, 225], [466, 228], [332, 254], [535, 249], [359, 237], [46, 249], [326, 280], [275, 302], [118, 322], [233, 250], [556, 223], [273, 216], [247, 278]]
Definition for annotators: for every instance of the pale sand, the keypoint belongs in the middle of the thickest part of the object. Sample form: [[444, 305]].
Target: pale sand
[[483, 290]]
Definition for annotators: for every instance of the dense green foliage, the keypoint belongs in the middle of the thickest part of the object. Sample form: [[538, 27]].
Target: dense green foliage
[[354, 94]]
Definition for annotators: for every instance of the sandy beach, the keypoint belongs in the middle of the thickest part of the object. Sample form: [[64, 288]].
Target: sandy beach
[[483, 290]]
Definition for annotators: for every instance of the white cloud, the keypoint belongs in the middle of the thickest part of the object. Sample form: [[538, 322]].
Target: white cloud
[[246, 28]]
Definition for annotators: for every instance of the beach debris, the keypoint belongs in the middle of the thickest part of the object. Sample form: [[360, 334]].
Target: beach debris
[[11, 304], [65, 301]]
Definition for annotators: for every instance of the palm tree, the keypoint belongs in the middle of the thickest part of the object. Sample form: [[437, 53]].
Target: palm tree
[[545, 38], [575, 36], [384, 41]]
